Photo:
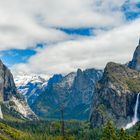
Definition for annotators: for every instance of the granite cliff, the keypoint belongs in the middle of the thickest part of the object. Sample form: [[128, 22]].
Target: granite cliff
[[116, 93], [10, 99]]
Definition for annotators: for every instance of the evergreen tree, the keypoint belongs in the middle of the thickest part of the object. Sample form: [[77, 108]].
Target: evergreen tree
[[109, 132], [125, 136], [122, 135], [137, 135]]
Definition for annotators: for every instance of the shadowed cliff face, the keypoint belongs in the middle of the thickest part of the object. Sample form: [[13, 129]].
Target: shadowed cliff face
[[135, 63], [9, 98], [115, 96], [75, 91], [7, 85]]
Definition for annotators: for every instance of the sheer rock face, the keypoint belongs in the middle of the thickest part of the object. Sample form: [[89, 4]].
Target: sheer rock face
[[74, 91], [115, 96], [135, 63], [7, 85], [9, 96], [84, 85]]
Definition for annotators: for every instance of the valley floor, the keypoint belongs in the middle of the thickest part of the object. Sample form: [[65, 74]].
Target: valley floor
[[74, 130]]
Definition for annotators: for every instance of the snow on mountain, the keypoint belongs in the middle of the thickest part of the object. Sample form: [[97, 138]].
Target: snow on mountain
[[25, 79], [31, 86]]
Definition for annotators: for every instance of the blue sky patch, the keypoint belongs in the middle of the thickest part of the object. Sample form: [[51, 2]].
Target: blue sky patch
[[15, 56], [78, 31], [39, 45], [131, 10]]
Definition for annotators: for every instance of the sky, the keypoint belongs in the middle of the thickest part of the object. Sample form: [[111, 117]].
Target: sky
[[49, 36]]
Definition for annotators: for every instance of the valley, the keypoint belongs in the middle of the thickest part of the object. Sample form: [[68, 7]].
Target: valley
[[89, 104]]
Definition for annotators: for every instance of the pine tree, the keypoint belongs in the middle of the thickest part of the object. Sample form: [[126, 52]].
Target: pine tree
[[109, 132], [137, 136], [122, 135], [125, 136]]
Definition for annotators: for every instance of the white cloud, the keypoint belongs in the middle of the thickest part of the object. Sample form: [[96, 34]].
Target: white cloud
[[23, 23], [81, 13], [116, 45]]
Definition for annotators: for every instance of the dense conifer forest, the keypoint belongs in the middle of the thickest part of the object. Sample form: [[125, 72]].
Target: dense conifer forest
[[73, 130]]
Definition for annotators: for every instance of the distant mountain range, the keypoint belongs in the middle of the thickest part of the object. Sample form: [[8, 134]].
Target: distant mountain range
[[74, 93], [46, 96], [99, 95]]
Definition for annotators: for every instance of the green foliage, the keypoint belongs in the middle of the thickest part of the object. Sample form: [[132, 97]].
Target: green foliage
[[123, 135], [74, 130], [133, 84], [137, 135], [123, 77], [109, 132], [9, 132], [2, 137]]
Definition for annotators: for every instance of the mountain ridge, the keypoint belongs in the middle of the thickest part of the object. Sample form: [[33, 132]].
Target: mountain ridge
[[74, 91]]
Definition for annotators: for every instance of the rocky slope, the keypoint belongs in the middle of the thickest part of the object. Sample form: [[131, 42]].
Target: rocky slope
[[116, 93], [9, 98], [74, 92]]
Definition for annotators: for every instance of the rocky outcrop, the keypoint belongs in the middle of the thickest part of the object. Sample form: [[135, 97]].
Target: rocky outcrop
[[9, 96], [115, 96], [74, 92], [135, 63]]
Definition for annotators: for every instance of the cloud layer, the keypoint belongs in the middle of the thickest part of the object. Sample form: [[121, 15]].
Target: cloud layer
[[116, 45], [23, 24]]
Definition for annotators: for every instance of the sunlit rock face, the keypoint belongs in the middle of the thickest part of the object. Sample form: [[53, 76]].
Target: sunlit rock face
[[135, 63], [9, 96]]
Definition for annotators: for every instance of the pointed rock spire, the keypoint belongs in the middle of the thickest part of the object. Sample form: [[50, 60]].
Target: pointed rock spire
[[79, 72], [135, 62]]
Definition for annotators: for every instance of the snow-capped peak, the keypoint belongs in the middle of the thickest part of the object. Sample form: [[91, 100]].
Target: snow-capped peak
[[25, 79], [31, 86]]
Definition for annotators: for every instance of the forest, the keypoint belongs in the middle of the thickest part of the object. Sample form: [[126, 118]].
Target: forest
[[73, 130]]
